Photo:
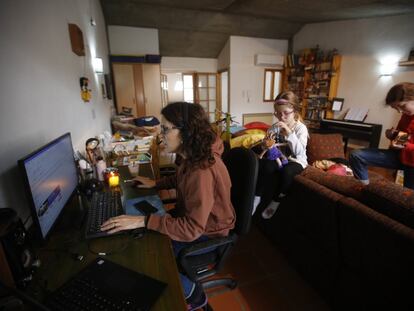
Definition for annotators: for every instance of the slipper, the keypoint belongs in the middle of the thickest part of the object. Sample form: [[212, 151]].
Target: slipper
[[269, 211]]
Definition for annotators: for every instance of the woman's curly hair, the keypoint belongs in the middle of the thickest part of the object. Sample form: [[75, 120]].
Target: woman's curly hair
[[196, 132]]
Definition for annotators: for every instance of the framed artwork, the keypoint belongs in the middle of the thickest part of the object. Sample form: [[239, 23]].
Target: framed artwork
[[337, 104]]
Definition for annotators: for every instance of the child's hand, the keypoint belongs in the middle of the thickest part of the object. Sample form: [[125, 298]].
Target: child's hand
[[284, 128], [397, 146], [391, 133]]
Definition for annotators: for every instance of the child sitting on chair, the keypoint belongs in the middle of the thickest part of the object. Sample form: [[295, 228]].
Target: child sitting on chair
[[274, 180]]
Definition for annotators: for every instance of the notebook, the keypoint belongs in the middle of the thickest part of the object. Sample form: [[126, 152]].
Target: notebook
[[105, 285]]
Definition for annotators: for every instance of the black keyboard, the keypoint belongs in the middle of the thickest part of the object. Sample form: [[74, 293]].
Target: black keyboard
[[104, 285], [83, 294], [103, 206]]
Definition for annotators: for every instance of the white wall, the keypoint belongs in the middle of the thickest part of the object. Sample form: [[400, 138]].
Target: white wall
[[246, 79], [133, 40], [364, 44], [188, 64], [223, 60], [39, 87]]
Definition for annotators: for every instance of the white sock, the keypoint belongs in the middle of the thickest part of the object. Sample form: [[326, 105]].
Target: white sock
[[255, 203], [365, 182], [281, 195], [270, 210]]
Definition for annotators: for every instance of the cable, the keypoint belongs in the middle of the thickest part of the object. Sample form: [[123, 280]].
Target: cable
[[75, 256], [107, 253]]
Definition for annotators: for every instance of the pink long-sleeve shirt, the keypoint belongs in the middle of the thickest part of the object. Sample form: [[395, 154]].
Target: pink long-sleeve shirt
[[203, 202]]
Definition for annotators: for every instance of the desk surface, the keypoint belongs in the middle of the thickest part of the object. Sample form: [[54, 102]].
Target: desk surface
[[151, 255]]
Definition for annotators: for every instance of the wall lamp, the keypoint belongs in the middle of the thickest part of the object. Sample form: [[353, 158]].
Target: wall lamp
[[388, 66], [97, 65]]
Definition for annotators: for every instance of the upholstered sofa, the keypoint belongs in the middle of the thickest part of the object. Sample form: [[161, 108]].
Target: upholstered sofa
[[354, 244]]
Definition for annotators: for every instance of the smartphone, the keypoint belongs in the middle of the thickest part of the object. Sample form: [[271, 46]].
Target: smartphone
[[145, 208]]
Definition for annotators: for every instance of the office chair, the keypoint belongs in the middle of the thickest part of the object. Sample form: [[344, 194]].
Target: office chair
[[242, 165]]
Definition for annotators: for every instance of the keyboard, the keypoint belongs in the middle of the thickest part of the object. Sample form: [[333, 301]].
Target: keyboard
[[105, 285], [103, 206]]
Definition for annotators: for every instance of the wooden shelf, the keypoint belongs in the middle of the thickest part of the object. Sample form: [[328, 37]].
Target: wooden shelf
[[316, 84], [406, 63]]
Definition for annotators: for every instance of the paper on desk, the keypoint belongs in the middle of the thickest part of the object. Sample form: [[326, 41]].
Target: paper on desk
[[154, 200]]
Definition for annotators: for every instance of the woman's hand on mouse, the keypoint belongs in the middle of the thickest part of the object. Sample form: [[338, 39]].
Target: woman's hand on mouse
[[144, 182], [123, 222]]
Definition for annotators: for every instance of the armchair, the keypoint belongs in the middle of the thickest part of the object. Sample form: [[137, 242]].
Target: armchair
[[202, 260]]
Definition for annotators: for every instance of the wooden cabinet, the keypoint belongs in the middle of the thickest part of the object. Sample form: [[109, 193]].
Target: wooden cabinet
[[138, 87], [314, 78]]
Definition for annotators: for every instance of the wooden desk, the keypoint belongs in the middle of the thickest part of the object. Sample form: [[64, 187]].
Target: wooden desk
[[151, 255]]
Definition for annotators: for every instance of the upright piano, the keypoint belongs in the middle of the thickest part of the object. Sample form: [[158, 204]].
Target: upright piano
[[368, 132]]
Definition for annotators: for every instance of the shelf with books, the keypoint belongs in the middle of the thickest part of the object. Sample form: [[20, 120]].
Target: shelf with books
[[313, 77]]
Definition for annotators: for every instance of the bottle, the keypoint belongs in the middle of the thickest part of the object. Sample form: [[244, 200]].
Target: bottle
[[100, 167]]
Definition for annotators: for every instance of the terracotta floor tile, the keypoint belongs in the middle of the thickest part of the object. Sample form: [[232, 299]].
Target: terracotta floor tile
[[264, 295], [244, 267], [266, 281]]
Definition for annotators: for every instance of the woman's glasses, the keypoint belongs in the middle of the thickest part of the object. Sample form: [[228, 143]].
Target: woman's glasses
[[284, 113], [166, 129]]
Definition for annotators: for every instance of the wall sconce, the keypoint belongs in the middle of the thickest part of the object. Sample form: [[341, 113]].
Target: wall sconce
[[388, 66], [97, 65]]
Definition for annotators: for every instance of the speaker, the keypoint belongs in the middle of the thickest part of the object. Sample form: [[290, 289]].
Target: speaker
[[16, 258]]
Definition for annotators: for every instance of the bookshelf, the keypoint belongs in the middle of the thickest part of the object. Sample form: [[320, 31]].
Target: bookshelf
[[313, 77]]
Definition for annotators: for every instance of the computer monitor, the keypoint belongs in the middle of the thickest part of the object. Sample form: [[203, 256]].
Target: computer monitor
[[51, 179]]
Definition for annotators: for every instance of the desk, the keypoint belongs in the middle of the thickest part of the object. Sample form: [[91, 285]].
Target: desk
[[151, 255]]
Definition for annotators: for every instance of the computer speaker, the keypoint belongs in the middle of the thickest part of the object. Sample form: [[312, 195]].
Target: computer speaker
[[16, 259]]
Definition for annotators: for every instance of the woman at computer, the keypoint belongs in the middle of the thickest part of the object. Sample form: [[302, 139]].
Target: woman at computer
[[203, 185]]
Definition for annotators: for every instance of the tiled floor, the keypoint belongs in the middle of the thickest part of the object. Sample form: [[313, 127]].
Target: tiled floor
[[266, 282]]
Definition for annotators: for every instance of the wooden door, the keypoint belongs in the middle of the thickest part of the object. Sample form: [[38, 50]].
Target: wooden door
[[206, 92], [129, 88]]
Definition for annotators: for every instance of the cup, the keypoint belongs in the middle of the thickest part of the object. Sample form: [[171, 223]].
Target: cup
[[133, 168]]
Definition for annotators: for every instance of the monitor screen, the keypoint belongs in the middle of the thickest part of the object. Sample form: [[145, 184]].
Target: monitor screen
[[50, 180]]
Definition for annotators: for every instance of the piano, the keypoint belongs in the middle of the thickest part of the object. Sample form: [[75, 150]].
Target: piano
[[368, 132]]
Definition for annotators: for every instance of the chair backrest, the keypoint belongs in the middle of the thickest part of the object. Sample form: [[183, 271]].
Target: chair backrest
[[242, 165]]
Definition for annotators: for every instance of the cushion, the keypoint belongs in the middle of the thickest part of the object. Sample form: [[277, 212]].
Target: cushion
[[390, 199], [257, 125], [248, 131], [246, 141], [345, 185], [324, 146]]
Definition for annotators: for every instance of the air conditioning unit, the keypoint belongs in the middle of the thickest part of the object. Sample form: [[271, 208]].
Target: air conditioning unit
[[269, 60]]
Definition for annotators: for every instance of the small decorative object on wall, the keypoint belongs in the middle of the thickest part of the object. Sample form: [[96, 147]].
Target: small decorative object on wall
[[85, 91], [108, 86], [76, 40], [411, 56]]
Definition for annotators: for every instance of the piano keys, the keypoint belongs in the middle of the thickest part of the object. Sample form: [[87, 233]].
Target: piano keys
[[368, 132]]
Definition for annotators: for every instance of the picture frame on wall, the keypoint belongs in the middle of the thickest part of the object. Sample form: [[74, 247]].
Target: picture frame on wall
[[337, 104]]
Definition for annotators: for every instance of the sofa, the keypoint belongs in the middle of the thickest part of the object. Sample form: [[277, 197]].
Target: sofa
[[353, 244]]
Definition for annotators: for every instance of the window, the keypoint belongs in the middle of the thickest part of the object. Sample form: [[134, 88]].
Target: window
[[272, 84], [188, 88]]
